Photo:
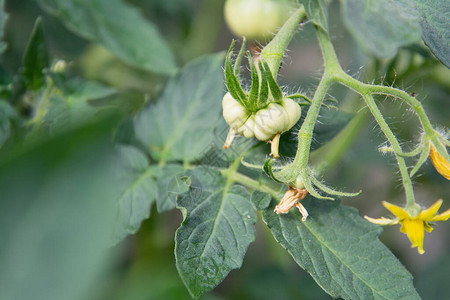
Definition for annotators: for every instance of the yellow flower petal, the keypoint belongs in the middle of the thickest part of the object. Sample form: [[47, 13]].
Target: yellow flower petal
[[428, 227], [414, 229], [427, 214], [396, 210], [440, 163], [441, 217], [381, 221]]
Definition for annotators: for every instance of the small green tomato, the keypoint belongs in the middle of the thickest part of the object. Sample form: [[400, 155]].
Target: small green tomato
[[256, 19], [266, 124], [233, 112], [269, 121], [248, 128], [276, 119]]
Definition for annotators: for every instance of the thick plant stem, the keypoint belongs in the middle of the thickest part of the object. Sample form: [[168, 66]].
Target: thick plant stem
[[334, 70], [407, 184], [253, 184], [361, 87], [331, 62], [306, 131], [274, 51]]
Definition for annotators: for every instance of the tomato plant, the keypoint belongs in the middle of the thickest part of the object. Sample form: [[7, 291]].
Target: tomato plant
[[148, 149]]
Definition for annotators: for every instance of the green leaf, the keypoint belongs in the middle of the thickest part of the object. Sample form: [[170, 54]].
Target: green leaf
[[169, 187], [217, 228], [237, 62], [135, 186], [381, 27], [264, 88], [180, 126], [36, 58], [341, 252], [317, 12], [273, 85], [70, 107], [232, 81], [254, 90], [260, 200], [56, 214], [435, 30], [3, 19], [6, 113], [216, 156], [118, 27]]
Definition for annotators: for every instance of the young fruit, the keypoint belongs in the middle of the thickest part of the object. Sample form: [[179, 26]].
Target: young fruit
[[233, 112], [276, 118], [256, 19], [265, 124]]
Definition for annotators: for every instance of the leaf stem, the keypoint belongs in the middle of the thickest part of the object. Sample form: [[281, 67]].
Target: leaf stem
[[407, 184], [332, 67], [251, 183], [365, 88]]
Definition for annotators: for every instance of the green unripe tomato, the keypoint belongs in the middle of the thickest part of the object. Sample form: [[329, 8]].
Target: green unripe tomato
[[271, 120], [293, 110], [248, 129], [233, 112], [256, 19], [276, 118]]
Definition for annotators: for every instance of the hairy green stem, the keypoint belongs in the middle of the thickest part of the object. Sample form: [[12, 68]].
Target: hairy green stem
[[407, 184], [365, 88], [274, 51], [253, 184], [234, 176], [306, 131]]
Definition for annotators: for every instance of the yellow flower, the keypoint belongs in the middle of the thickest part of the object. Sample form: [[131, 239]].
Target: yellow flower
[[439, 162], [413, 226]]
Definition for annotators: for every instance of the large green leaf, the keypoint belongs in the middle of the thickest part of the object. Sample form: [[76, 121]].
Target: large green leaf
[[117, 26], [317, 12], [36, 58], [341, 252], [435, 29], [180, 126], [169, 187], [382, 26], [3, 19], [69, 106], [56, 215], [135, 186], [217, 228]]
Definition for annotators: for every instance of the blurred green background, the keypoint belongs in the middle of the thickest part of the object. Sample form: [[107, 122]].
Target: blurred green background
[[58, 238]]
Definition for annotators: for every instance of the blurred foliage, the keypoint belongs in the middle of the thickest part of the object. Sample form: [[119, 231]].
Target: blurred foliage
[[87, 110]]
